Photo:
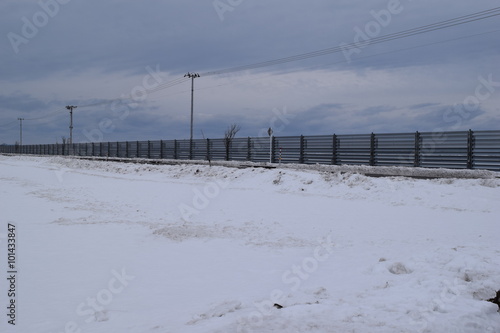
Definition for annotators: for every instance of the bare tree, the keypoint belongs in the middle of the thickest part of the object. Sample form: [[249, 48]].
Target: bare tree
[[229, 136]]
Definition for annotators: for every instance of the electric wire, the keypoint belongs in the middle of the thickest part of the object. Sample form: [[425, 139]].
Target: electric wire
[[12, 122], [356, 45], [341, 48], [47, 115], [330, 63], [130, 96]]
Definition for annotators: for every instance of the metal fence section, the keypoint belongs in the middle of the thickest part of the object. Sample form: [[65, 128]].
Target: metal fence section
[[457, 150]]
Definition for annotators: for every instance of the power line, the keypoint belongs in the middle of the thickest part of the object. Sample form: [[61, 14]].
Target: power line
[[110, 101], [160, 87], [12, 122], [47, 115], [398, 35], [337, 62]]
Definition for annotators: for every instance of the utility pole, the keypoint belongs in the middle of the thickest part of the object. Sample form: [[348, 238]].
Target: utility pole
[[192, 76], [70, 108], [20, 131]]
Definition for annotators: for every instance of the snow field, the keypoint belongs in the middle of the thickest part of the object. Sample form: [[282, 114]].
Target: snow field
[[108, 246]]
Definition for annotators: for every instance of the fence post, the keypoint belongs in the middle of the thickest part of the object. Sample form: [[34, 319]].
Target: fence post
[[127, 149], [175, 149], [149, 149], [138, 152], [302, 146], [416, 159], [273, 150], [161, 149], [334, 149], [249, 149], [470, 149], [208, 150], [373, 143]]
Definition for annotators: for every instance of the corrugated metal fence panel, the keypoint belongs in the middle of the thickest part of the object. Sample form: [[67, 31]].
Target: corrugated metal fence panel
[[395, 149], [182, 149], [444, 150], [487, 150], [132, 149], [467, 149], [96, 149], [155, 149], [141, 149], [81, 150], [77, 151], [112, 149], [353, 149], [199, 149], [90, 149], [318, 149], [168, 149], [239, 149], [287, 149], [121, 149], [259, 149], [217, 150]]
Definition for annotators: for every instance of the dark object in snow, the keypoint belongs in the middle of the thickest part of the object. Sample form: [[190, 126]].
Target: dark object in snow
[[277, 306], [495, 300]]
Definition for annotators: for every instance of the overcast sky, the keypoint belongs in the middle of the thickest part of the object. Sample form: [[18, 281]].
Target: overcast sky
[[92, 53]]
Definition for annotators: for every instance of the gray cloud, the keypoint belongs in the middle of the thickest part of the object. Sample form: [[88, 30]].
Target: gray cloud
[[116, 40]]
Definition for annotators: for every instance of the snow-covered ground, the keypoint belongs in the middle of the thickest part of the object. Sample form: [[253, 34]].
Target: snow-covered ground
[[114, 247]]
